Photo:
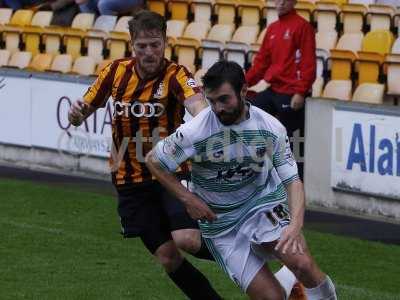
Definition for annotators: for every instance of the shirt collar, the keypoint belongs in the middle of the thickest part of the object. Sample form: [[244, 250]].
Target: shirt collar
[[290, 13]]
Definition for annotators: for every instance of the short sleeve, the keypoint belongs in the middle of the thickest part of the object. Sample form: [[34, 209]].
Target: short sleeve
[[183, 85], [284, 161], [174, 150], [99, 92]]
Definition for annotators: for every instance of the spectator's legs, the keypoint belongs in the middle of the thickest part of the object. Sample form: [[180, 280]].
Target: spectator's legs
[[89, 7], [14, 4], [116, 7]]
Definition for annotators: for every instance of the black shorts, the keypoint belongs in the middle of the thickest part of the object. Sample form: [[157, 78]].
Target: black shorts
[[148, 211]]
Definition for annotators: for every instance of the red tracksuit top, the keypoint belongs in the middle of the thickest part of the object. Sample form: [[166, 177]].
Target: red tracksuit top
[[287, 56]]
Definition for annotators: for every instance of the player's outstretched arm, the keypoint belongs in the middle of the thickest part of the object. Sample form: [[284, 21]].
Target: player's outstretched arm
[[79, 111], [196, 208], [290, 238]]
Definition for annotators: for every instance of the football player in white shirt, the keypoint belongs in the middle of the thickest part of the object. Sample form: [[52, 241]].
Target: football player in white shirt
[[245, 190]]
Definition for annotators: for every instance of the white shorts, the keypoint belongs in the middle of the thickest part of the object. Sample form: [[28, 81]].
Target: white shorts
[[239, 251]]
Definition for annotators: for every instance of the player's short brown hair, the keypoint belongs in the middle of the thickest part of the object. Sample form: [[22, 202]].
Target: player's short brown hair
[[147, 21]]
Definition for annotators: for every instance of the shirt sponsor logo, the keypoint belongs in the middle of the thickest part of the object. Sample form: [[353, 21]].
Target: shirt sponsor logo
[[160, 91], [191, 82], [138, 109], [286, 36]]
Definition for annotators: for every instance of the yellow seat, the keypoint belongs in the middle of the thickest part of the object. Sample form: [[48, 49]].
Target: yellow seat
[[351, 42], [186, 53], [369, 93], [250, 12], [83, 21], [226, 12], [369, 67], [20, 59], [379, 41], [352, 17], [117, 45], [202, 11], [342, 64], [42, 18], [179, 9], [31, 38], [338, 89], [5, 15], [41, 62], [21, 17], [61, 63], [393, 74], [73, 44], [4, 57], [84, 65], [158, 6]]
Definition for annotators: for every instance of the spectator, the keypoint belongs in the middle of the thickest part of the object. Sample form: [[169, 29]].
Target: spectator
[[18, 4], [284, 69], [109, 7]]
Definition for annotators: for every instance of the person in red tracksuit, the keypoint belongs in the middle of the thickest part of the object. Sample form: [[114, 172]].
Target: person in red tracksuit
[[284, 69]]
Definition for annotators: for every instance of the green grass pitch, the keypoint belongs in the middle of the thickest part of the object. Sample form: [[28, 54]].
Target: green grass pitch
[[62, 243]]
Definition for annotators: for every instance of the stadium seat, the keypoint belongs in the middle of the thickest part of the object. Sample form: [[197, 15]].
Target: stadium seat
[[4, 57], [101, 65], [21, 17], [84, 65], [20, 59], [338, 89], [11, 38], [379, 17], [202, 11], [158, 6], [237, 49], [41, 62], [197, 31], [342, 64], [326, 40], [51, 37], [5, 15], [117, 46], [73, 44], [326, 18], [318, 84], [221, 33], [105, 23], [369, 64], [175, 28], [362, 2], [83, 21], [379, 41], [226, 12], [250, 12], [350, 41], [61, 63], [178, 9], [305, 9], [393, 74], [94, 42], [396, 46], [122, 24], [369, 93], [352, 17], [31, 38], [210, 55], [42, 18]]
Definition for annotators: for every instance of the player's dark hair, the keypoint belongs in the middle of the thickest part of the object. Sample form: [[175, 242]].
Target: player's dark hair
[[224, 71], [146, 20]]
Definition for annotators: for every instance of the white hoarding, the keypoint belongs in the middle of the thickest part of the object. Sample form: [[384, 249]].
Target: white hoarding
[[51, 101], [366, 152], [15, 110]]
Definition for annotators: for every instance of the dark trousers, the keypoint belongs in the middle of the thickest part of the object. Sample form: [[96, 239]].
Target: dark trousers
[[278, 105]]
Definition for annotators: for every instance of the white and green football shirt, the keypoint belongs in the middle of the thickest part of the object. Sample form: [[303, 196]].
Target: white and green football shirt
[[236, 169]]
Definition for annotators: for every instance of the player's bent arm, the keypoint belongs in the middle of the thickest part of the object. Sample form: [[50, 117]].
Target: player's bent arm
[[296, 201], [79, 112], [196, 208], [195, 104]]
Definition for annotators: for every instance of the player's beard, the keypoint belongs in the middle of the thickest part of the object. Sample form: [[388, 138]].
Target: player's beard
[[229, 118], [151, 66]]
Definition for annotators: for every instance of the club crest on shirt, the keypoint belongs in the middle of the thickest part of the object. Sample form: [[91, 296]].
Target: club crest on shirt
[[286, 36], [160, 91], [191, 82]]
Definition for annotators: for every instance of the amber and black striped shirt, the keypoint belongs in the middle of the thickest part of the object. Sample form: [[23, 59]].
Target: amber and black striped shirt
[[140, 107]]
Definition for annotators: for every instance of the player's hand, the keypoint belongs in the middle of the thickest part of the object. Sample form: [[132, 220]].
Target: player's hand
[[290, 240], [198, 210], [297, 102], [77, 112], [261, 86]]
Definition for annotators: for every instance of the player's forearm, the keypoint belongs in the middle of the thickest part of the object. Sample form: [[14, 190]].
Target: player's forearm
[[296, 203], [167, 179]]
